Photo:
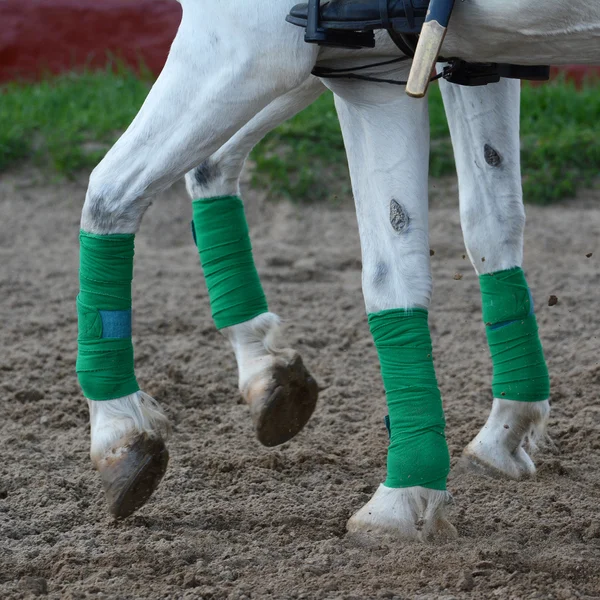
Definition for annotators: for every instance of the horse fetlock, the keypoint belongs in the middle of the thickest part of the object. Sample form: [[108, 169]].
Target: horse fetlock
[[128, 450], [409, 514], [499, 448], [273, 381]]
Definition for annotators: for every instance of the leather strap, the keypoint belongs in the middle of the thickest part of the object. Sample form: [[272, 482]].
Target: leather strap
[[384, 13], [406, 43]]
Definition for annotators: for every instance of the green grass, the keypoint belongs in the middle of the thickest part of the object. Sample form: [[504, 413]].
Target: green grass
[[560, 152], [67, 123]]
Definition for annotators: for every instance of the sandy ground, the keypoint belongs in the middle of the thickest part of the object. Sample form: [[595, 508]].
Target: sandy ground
[[235, 520]]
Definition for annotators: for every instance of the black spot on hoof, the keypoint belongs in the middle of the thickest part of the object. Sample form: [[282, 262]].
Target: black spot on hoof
[[398, 217], [206, 172], [492, 156]]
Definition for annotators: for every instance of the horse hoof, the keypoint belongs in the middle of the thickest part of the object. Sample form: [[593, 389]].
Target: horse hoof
[[497, 450], [130, 473], [282, 404], [407, 514], [506, 466]]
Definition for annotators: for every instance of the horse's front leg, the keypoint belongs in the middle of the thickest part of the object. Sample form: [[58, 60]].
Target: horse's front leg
[[387, 140], [213, 83], [484, 123], [273, 381]]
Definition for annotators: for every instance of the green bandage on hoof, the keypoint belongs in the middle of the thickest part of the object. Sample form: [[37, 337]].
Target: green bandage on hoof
[[105, 351], [520, 371], [418, 453], [221, 234]]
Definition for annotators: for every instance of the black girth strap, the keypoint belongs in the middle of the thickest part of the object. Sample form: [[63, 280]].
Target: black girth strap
[[348, 73]]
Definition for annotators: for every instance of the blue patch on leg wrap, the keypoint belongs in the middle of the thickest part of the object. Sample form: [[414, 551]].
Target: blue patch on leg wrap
[[194, 233], [507, 323], [116, 323]]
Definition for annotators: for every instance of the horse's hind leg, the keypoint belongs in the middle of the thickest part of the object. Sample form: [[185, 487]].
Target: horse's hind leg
[[273, 381], [212, 84], [387, 140], [219, 174], [484, 123]]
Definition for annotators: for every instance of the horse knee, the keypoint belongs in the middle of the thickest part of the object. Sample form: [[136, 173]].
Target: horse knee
[[110, 205]]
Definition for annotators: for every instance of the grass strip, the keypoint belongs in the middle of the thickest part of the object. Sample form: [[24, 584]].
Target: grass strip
[[67, 123]]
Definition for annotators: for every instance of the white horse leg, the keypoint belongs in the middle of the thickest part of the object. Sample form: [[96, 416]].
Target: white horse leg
[[272, 379], [219, 174], [484, 123], [212, 84], [128, 450], [387, 140]]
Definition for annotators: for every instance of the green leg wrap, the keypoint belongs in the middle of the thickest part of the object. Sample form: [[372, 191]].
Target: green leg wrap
[[520, 371], [418, 453], [221, 234], [105, 351]]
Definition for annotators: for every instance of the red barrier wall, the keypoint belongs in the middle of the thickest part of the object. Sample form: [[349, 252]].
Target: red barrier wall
[[58, 35], [577, 73]]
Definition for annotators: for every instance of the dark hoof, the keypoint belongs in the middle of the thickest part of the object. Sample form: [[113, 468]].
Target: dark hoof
[[282, 407], [131, 472]]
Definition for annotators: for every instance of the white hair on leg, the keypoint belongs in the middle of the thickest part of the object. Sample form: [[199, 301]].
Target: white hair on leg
[[113, 420], [411, 514], [538, 437], [128, 449], [208, 90], [498, 449], [255, 344], [484, 125]]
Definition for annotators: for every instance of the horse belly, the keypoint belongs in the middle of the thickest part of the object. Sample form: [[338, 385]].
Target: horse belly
[[525, 32]]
